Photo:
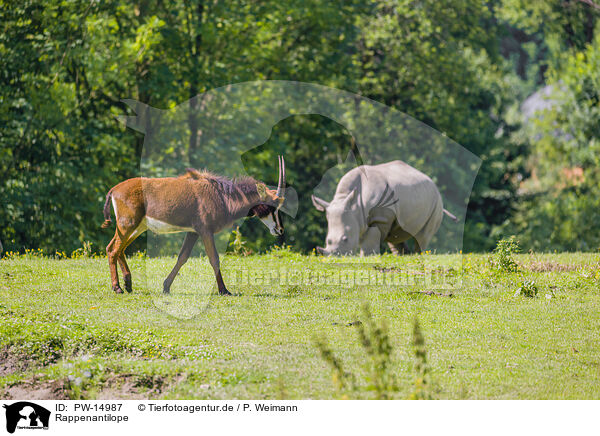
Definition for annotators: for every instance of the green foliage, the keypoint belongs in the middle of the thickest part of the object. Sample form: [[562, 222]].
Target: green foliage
[[421, 369], [374, 339], [283, 251], [559, 204], [503, 255], [238, 243], [341, 379], [82, 376], [85, 251], [527, 289], [545, 31], [456, 65], [447, 72], [66, 67], [381, 376]]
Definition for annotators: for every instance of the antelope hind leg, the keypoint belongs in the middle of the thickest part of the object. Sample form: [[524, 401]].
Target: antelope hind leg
[[126, 272], [123, 262], [112, 251]]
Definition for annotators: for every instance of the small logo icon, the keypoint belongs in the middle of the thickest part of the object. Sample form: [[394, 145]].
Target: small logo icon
[[26, 415]]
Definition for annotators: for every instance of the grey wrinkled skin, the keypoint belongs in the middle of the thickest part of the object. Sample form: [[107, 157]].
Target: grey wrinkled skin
[[390, 202]]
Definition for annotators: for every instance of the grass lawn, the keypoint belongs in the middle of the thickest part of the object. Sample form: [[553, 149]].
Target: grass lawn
[[65, 334]]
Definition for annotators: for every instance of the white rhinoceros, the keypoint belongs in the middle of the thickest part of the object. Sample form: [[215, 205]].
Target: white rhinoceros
[[390, 202]]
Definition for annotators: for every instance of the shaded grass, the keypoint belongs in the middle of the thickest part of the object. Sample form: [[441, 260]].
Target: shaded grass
[[60, 319]]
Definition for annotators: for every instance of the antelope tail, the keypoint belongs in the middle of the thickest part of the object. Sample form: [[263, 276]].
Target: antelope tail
[[450, 215], [107, 220]]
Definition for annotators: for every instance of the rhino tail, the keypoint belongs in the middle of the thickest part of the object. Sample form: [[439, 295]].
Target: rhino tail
[[450, 215]]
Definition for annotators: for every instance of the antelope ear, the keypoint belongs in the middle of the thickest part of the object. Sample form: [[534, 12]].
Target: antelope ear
[[262, 191], [319, 203]]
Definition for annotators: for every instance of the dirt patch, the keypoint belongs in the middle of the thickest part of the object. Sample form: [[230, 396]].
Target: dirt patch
[[9, 363], [384, 269], [439, 294], [115, 386], [132, 387], [551, 267], [35, 390], [412, 272], [122, 388]]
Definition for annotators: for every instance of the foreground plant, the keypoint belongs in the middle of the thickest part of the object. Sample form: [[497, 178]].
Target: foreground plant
[[503, 255], [421, 389], [527, 289], [381, 375]]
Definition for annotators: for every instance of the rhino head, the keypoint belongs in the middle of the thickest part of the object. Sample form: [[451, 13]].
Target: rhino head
[[342, 224]]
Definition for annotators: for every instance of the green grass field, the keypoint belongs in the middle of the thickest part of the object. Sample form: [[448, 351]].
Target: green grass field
[[64, 334]]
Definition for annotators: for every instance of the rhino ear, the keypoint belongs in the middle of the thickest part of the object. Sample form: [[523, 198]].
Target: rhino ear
[[350, 197], [319, 203]]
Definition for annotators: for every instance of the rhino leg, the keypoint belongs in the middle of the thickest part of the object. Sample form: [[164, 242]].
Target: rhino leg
[[418, 248], [370, 241], [398, 249]]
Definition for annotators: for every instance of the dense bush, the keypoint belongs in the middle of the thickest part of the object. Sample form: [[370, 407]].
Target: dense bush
[[458, 66]]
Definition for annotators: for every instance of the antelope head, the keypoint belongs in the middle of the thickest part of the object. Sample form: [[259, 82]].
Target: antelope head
[[271, 201]]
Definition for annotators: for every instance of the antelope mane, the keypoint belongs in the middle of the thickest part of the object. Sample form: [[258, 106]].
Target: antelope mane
[[231, 187]]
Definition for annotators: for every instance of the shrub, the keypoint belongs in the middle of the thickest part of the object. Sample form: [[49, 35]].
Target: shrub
[[85, 251], [239, 243], [503, 255], [527, 289]]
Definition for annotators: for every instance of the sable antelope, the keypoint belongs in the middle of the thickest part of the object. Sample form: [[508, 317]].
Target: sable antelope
[[197, 202]]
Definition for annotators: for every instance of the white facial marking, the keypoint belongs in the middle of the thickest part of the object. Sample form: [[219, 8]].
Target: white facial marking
[[270, 223]]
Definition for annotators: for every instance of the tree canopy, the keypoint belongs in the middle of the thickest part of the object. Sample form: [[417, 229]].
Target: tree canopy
[[462, 67]]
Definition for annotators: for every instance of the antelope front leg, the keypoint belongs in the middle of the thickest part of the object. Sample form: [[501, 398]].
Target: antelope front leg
[[370, 241], [213, 257], [184, 254]]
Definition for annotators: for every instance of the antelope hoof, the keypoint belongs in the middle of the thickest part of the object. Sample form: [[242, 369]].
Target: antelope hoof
[[224, 292], [117, 289], [166, 291], [128, 285]]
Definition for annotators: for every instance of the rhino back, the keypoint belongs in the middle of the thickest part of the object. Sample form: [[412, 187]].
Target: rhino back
[[415, 196]]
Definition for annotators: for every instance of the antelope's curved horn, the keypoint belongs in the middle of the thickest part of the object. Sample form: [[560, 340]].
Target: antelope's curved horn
[[281, 183]]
